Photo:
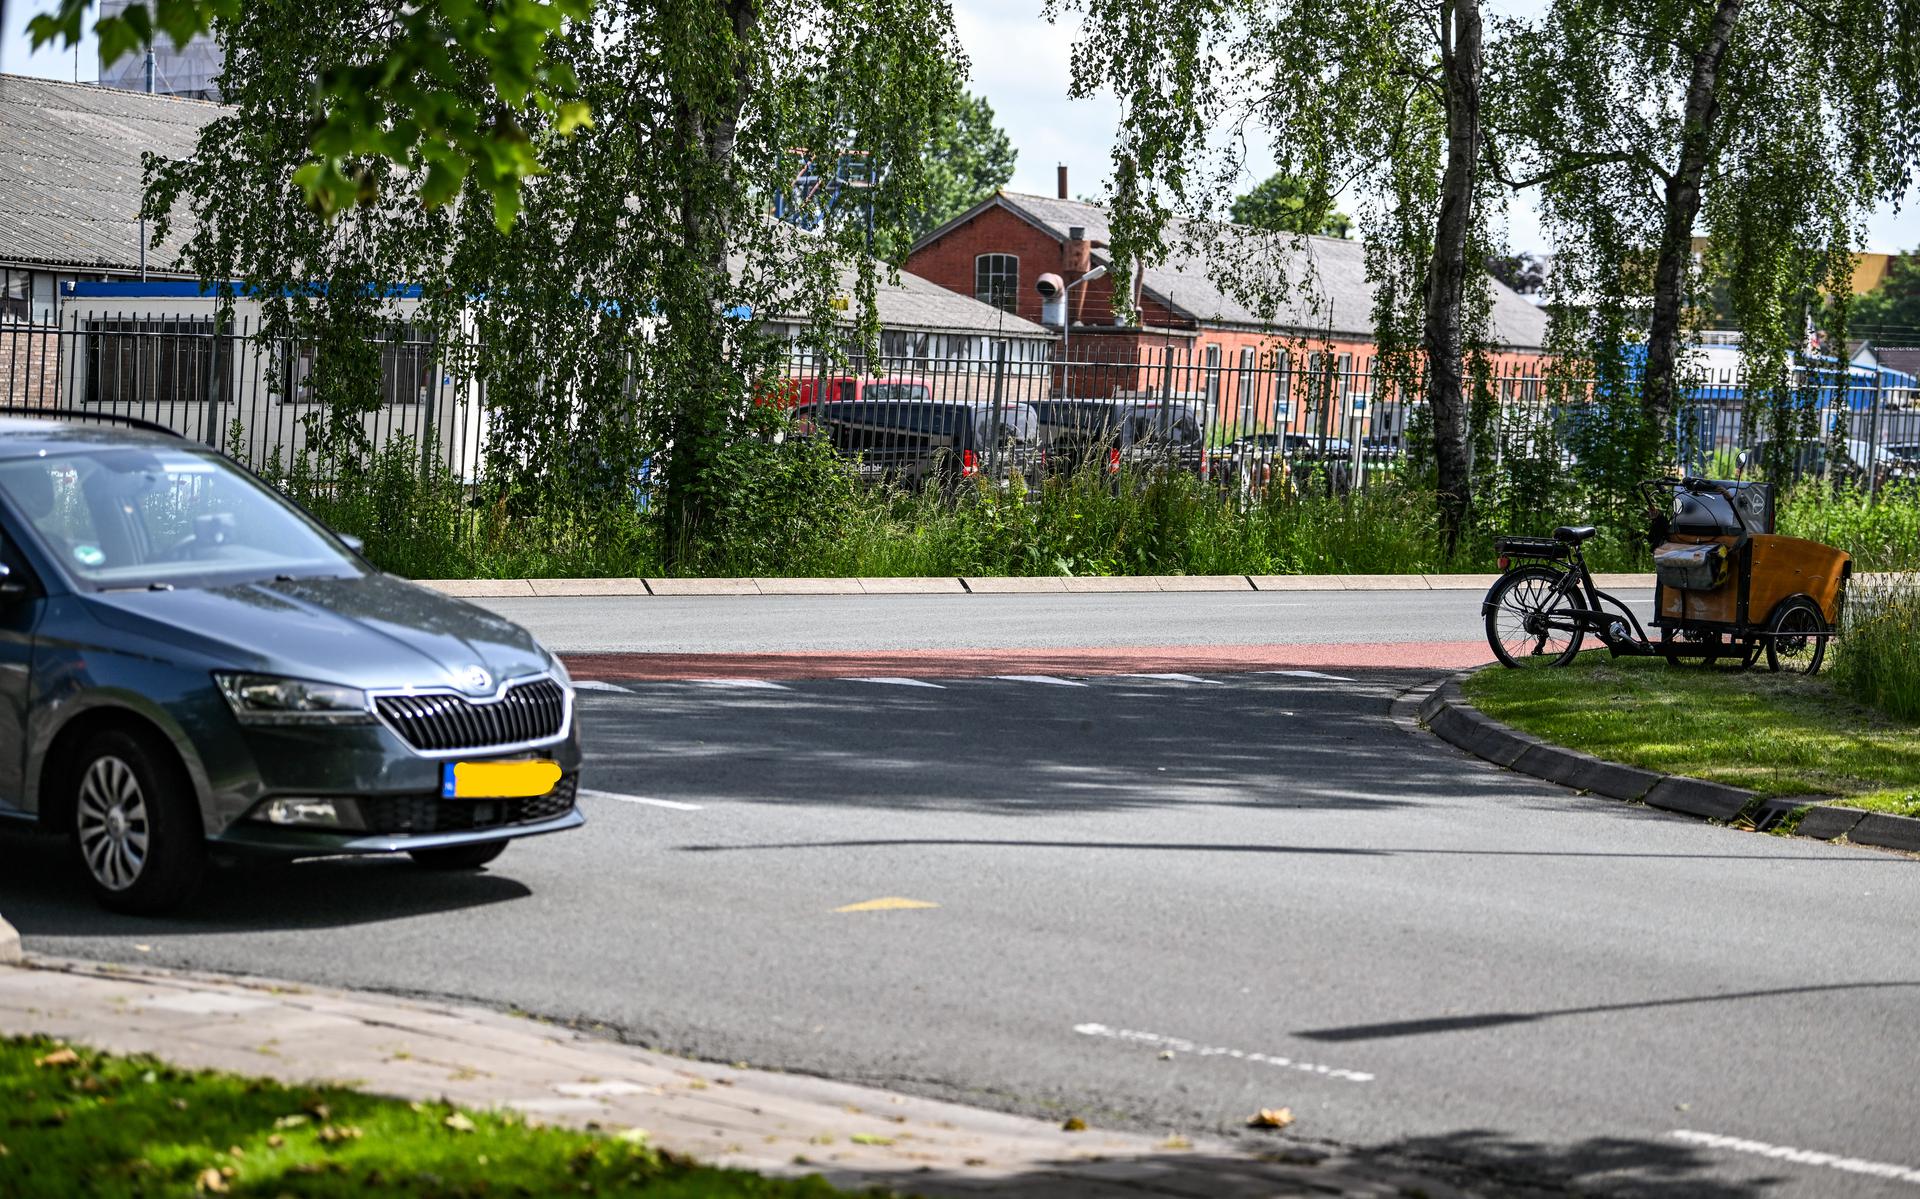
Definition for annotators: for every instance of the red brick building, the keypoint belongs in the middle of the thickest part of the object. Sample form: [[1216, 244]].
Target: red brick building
[[1304, 363]]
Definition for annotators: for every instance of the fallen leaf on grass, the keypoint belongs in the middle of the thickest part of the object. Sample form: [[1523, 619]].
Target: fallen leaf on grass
[[1074, 1124], [867, 1138], [459, 1123], [290, 1121], [333, 1134], [1271, 1117], [211, 1182], [276, 1141], [59, 1057]]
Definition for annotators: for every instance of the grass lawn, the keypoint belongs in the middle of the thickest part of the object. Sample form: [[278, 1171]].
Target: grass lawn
[[75, 1122], [1779, 734]]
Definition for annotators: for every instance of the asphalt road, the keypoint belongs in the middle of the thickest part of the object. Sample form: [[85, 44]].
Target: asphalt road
[[1161, 903]]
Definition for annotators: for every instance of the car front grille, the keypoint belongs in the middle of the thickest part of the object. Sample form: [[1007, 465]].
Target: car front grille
[[432, 814], [442, 721]]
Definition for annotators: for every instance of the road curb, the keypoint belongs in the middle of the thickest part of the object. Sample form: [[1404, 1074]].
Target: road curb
[[1445, 712], [973, 585], [10, 954]]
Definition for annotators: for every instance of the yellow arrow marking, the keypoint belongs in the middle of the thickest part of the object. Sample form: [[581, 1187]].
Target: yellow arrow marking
[[891, 903]]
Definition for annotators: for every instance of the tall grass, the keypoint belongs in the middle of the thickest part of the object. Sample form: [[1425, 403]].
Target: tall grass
[[794, 509], [1877, 659]]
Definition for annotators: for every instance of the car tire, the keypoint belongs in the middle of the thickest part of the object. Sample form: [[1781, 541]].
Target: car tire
[[458, 857], [135, 827]]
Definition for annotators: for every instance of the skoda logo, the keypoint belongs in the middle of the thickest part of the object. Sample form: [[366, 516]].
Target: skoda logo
[[476, 679]]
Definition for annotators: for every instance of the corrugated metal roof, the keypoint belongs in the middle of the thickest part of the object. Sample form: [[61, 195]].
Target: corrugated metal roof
[[70, 173], [1339, 301]]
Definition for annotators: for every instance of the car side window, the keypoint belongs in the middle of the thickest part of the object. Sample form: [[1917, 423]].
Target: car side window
[[51, 498]]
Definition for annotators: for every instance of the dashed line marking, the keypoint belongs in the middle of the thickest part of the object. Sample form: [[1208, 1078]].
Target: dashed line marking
[[1176, 678], [892, 680], [754, 684], [1803, 1157], [1309, 674], [597, 685], [1182, 1045], [675, 804], [1037, 678]]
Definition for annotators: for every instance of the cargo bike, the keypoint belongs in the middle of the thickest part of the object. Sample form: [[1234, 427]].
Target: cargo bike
[[1727, 588]]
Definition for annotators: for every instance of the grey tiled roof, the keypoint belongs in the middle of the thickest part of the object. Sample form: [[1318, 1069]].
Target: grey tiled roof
[[1342, 296], [70, 176]]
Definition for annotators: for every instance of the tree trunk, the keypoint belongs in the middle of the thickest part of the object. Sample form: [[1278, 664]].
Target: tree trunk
[[707, 127], [1659, 389], [1449, 273]]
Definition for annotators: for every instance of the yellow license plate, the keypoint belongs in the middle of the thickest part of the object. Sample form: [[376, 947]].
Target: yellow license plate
[[497, 780]]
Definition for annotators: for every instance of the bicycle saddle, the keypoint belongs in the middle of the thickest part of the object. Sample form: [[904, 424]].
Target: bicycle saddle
[[1573, 534]]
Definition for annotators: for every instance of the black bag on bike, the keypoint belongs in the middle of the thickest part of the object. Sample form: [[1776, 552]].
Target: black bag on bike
[[1691, 567]]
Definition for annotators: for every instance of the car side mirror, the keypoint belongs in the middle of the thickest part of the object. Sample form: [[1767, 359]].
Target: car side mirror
[[10, 587], [353, 543]]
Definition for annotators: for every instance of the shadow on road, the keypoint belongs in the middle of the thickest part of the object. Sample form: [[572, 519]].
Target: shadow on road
[[1009, 748], [1476, 1162], [1437, 1024], [42, 894]]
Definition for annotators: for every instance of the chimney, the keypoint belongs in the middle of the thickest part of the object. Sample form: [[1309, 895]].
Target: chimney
[[1061, 172]]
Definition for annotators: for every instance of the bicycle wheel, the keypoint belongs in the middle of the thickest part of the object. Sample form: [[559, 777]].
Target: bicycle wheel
[[1531, 622], [1702, 649], [1797, 637]]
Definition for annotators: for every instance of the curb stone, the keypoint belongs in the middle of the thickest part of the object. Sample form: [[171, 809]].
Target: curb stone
[[9, 944], [1447, 714], [950, 584]]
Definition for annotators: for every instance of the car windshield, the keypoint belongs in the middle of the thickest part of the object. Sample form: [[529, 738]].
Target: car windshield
[[137, 516]]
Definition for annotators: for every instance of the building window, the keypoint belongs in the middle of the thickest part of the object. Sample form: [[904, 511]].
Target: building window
[[996, 280], [409, 367], [152, 361], [16, 294], [1213, 380], [1282, 386]]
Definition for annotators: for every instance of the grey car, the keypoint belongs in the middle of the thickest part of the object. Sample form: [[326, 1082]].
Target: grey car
[[190, 664]]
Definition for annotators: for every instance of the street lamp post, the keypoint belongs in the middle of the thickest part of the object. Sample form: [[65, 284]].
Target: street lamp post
[[1066, 327]]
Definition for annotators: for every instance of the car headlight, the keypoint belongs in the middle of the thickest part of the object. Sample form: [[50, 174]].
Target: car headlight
[[264, 699]]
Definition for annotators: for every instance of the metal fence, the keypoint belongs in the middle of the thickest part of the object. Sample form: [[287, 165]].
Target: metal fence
[[1244, 422]]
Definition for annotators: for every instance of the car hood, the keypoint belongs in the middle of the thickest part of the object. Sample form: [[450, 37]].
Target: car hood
[[368, 631]]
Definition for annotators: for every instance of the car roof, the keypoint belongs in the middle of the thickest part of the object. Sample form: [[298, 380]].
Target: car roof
[[29, 436]]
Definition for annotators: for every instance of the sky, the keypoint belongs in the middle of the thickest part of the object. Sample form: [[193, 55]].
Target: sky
[[1020, 63]]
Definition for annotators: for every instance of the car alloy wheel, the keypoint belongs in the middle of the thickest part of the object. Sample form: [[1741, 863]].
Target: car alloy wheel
[[112, 823]]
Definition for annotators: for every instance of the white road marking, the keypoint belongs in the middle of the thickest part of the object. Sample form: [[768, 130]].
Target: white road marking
[[1803, 1157], [675, 804], [757, 684], [1176, 678], [892, 681], [1182, 1045], [1309, 674], [597, 685], [1038, 678]]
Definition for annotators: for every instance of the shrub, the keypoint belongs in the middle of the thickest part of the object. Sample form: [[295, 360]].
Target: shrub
[[1877, 661]]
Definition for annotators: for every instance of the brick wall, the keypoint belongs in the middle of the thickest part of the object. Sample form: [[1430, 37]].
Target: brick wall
[[29, 365]]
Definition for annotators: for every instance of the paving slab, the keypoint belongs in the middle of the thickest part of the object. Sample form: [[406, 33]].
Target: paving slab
[[912, 585], [702, 587], [1383, 582], [1297, 582], [1101, 584], [1460, 582], [780, 1124], [809, 586], [1203, 582], [479, 588], [1015, 584], [589, 586]]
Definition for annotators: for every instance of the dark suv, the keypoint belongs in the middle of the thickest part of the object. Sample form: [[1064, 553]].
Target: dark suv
[[188, 660], [920, 443]]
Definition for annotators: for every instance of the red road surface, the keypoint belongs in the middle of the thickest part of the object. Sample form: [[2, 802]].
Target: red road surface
[[977, 663]]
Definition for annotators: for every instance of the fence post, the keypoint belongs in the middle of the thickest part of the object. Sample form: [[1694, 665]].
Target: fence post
[[1873, 436], [999, 409]]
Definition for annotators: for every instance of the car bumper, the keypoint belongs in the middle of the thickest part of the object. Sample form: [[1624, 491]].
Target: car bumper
[[255, 837]]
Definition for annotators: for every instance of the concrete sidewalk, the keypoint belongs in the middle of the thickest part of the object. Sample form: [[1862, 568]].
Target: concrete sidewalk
[[751, 1119], [985, 585]]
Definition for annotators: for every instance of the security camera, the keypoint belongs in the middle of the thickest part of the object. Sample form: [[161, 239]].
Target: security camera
[[1049, 285]]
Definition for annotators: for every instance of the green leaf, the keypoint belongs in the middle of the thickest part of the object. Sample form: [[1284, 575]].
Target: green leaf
[[573, 115]]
